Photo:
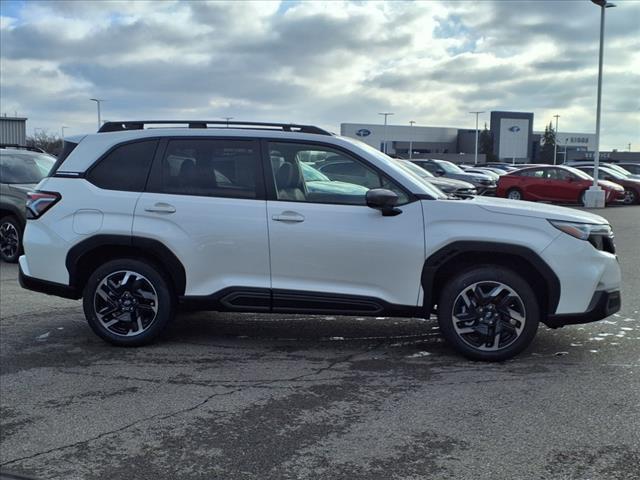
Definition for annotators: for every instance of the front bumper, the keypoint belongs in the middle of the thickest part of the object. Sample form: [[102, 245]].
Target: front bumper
[[601, 306], [488, 190]]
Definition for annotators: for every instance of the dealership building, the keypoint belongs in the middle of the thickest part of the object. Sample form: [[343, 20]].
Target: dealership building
[[513, 140]]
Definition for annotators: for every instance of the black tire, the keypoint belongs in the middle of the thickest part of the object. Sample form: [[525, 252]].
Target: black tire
[[135, 310], [630, 196], [515, 194], [10, 239], [475, 343], [581, 199]]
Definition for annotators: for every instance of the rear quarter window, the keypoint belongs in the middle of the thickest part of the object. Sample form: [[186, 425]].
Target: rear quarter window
[[126, 167]]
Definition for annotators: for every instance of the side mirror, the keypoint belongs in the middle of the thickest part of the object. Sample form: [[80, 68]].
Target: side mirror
[[383, 200], [570, 179], [439, 172]]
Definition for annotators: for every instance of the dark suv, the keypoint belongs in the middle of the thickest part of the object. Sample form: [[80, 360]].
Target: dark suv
[[21, 168]]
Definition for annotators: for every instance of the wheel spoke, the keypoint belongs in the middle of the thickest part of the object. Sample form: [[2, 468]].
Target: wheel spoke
[[125, 303], [488, 316]]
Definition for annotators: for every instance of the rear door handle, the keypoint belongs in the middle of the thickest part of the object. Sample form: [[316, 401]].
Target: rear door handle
[[161, 207], [288, 217]]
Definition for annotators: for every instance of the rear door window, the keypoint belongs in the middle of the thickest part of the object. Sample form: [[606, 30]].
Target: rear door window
[[126, 167], [211, 167]]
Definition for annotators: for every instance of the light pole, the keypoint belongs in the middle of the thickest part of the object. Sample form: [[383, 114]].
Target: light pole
[[98, 102], [555, 142], [384, 140], [62, 132], [475, 157], [227, 119], [411, 122], [594, 197], [629, 147]]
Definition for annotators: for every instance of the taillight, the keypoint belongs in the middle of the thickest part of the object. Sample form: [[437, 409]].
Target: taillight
[[39, 202]]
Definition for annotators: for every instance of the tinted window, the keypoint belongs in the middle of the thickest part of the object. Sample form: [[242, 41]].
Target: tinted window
[[24, 167], [67, 148], [329, 176], [125, 168], [209, 167]]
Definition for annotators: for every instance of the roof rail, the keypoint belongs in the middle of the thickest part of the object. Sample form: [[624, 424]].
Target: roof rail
[[140, 125], [22, 147]]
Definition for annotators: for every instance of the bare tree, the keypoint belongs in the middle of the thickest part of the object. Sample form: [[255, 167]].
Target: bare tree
[[50, 143]]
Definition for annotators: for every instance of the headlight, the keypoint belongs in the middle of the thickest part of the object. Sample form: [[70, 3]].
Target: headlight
[[484, 181], [583, 230]]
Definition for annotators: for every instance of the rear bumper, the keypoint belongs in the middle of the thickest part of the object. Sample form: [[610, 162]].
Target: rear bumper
[[44, 286], [601, 306]]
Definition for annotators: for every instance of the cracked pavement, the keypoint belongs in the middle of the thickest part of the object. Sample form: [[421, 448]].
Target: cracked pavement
[[244, 396]]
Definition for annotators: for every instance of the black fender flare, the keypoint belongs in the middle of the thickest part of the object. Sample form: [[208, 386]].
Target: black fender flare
[[449, 252], [154, 248]]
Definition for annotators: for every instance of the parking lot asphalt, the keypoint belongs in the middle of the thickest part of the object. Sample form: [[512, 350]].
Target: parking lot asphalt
[[242, 396]]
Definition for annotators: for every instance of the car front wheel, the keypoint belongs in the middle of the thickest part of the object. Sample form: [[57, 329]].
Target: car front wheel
[[488, 313], [128, 302], [10, 239], [630, 196]]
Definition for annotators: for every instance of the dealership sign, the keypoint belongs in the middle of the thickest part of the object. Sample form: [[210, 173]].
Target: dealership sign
[[363, 132]]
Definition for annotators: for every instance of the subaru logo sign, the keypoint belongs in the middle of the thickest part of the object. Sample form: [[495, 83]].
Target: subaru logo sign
[[514, 129], [363, 132]]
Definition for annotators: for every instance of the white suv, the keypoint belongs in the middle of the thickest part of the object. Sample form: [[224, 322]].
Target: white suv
[[250, 217]]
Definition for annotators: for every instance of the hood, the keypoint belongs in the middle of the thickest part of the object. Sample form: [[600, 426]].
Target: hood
[[537, 210], [449, 182], [610, 185], [475, 177]]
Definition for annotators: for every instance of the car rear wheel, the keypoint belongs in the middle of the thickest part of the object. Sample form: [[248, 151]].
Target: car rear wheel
[[10, 239], [488, 313], [630, 196], [514, 194], [128, 302]]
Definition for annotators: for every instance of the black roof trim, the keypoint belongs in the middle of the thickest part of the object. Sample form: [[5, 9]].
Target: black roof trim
[[140, 125], [22, 147]]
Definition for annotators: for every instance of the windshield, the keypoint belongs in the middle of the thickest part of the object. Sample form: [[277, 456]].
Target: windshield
[[310, 174], [579, 173], [412, 167], [617, 168], [24, 167], [427, 187], [449, 167]]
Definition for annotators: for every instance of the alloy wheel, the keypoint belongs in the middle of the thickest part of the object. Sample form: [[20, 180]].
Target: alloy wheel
[[514, 195], [125, 303], [488, 316], [9, 240], [629, 197]]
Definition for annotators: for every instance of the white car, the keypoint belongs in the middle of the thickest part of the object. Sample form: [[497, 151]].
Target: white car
[[137, 221]]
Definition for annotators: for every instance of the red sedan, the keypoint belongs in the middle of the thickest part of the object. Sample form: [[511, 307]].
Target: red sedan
[[553, 183]]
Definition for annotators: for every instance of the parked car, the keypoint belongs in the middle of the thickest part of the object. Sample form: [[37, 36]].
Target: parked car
[[21, 169], [447, 185], [630, 185], [485, 171], [134, 233], [507, 167], [485, 184], [612, 166], [633, 168], [555, 184]]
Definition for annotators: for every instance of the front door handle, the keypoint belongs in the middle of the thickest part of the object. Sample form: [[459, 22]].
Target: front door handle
[[288, 217], [161, 207]]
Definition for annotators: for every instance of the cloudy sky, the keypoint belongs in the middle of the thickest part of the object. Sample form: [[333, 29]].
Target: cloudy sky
[[320, 63]]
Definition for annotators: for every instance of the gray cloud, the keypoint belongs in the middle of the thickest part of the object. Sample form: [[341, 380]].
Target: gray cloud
[[319, 63]]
